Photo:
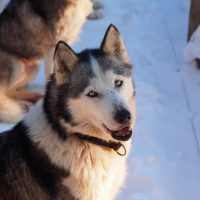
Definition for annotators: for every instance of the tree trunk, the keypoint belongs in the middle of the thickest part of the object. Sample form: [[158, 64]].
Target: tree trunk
[[194, 20]]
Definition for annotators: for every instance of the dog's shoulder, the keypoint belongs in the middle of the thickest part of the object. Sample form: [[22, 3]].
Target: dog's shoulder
[[26, 170]]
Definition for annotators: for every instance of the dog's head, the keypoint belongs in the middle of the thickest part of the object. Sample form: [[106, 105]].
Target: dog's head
[[96, 92]]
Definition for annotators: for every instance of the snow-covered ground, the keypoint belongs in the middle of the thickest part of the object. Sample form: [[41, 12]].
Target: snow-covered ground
[[164, 163]]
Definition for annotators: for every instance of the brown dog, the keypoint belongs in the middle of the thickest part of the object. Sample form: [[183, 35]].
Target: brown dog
[[29, 30]]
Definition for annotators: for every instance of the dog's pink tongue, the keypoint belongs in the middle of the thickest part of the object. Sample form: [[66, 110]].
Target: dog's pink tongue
[[122, 132]]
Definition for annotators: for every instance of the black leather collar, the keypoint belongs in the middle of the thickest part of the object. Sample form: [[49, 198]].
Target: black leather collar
[[109, 144]]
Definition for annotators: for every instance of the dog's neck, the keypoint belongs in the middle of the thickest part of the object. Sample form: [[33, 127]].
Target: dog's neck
[[54, 110], [103, 143]]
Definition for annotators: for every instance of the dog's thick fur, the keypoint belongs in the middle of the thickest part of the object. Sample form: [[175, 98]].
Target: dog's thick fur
[[29, 31], [90, 93]]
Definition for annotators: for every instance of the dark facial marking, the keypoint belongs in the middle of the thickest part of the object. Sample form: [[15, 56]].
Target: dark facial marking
[[110, 63], [54, 107], [81, 75]]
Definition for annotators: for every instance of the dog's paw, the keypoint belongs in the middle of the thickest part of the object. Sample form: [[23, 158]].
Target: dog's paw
[[95, 15], [35, 96]]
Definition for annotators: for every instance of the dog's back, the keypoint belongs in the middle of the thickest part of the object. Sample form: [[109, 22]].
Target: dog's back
[[29, 28]]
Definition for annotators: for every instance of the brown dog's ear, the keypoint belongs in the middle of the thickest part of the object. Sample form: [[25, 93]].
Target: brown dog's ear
[[64, 60], [113, 45]]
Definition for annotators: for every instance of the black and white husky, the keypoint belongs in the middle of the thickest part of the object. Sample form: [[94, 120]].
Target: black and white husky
[[74, 143]]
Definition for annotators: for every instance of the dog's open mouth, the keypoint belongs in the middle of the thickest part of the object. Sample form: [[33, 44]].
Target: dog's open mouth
[[122, 134]]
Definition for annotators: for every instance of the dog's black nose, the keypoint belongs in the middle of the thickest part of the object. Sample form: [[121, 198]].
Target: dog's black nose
[[122, 116]]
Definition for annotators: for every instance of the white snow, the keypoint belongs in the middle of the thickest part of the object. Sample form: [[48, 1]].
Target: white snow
[[192, 49], [164, 163]]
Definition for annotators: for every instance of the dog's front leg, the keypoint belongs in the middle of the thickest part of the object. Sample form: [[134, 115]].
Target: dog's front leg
[[28, 73]]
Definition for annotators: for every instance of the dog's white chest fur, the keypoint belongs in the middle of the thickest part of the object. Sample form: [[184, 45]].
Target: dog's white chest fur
[[96, 173]]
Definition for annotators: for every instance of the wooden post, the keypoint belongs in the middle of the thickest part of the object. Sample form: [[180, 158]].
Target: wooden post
[[194, 20]]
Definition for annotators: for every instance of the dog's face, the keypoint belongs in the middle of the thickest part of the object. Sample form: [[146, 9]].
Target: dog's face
[[99, 88]]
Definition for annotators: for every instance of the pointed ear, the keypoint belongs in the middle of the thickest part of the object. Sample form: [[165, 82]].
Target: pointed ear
[[113, 45], [64, 60]]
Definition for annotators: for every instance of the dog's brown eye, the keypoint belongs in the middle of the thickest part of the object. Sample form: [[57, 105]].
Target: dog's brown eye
[[118, 83], [92, 93]]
